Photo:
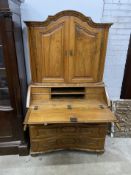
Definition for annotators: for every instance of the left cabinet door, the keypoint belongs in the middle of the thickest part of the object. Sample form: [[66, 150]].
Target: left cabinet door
[[7, 112], [49, 58]]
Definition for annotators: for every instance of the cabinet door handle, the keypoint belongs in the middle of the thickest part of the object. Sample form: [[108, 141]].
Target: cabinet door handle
[[71, 52], [6, 108], [68, 53]]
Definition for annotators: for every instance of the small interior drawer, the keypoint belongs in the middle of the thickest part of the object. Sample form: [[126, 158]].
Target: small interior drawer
[[40, 90], [38, 97]]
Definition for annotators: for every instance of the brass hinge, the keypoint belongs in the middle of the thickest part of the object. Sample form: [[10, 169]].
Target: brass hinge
[[69, 107], [35, 107]]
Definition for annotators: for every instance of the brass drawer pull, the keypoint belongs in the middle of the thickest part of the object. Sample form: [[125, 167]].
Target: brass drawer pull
[[73, 119]]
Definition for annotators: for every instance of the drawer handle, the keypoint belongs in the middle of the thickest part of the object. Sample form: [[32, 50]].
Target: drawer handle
[[73, 119]]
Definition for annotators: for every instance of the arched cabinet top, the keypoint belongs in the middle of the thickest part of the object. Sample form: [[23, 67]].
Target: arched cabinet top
[[77, 14], [67, 48]]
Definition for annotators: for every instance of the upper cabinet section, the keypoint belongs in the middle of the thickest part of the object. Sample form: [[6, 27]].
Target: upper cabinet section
[[67, 48]]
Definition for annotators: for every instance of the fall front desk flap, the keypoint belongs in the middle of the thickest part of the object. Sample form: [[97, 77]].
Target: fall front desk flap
[[52, 105]]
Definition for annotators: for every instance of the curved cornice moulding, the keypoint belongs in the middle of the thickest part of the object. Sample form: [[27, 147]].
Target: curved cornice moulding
[[68, 13]]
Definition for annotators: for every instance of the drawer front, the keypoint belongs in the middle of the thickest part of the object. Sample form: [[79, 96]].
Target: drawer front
[[40, 90], [88, 130], [82, 143], [40, 97]]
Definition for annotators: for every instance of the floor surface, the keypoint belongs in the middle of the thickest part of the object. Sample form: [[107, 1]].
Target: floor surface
[[115, 161]]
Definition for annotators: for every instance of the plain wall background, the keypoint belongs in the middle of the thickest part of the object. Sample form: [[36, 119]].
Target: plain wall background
[[38, 10], [119, 13]]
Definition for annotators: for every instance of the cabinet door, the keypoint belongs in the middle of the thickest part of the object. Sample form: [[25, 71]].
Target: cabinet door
[[84, 53], [6, 113], [8, 122], [49, 59]]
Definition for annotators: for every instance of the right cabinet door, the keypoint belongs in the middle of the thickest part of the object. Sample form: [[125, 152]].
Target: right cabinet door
[[84, 52]]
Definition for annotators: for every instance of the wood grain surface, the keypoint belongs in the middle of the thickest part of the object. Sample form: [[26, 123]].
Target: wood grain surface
[[67, 100]]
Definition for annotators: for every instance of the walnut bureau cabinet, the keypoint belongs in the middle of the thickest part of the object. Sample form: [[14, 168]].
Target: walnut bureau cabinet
[[12, 80], [68, 106]]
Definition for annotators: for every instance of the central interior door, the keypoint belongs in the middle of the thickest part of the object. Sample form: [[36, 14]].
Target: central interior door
[[84, 53]]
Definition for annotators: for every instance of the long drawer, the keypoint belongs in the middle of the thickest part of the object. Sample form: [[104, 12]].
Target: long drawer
[[81, 143], [53, 130]]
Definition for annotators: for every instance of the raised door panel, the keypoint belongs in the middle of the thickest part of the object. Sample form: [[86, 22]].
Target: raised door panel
[[52, 52], [6, 131], [50, 58], [84, 54]]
